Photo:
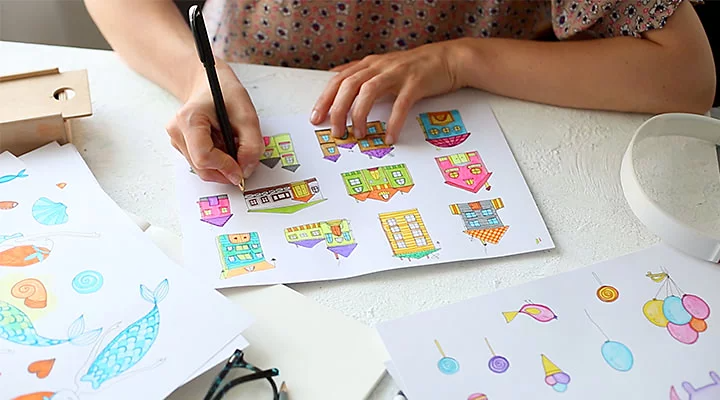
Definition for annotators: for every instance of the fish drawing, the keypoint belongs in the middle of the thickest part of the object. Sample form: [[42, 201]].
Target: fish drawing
[[130, 345], [8, 178], [16, 327], [538, 312], [8, 205]]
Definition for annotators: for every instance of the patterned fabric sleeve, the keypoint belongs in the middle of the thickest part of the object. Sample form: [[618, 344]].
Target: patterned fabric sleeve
[[610, 18]]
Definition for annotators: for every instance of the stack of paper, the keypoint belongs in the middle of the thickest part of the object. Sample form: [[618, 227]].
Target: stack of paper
[[640, 326], [88, 305], [321, 207]]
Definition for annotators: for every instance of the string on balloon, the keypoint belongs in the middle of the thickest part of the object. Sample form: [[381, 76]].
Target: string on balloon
[[596, 325]]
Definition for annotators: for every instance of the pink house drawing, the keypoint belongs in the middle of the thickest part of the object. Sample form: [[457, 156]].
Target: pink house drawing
[[215, 210], [464, 171]]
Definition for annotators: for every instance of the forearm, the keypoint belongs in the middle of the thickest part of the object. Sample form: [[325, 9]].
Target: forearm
[[152, 37], [672, 72]]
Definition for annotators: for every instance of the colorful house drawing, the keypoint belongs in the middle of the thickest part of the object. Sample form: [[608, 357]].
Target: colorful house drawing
[[336, 234], [481, 219], [215, 210], [379, 183], [284, 199], [372, 145], [279, 148], [407, 234], [241, 253], [464, 171], [443, 128]]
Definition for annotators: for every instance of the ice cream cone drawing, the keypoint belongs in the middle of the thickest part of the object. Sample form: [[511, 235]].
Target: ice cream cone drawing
[[446, 365], [538, 312], [554, 376]]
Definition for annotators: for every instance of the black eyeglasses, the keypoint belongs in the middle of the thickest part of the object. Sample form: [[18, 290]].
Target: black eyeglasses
[[237, 360]]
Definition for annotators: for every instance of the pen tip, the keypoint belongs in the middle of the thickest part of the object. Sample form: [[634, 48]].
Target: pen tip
[[283, 387]]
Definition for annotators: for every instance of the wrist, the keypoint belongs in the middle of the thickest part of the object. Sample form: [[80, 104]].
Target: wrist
[[467, 63]]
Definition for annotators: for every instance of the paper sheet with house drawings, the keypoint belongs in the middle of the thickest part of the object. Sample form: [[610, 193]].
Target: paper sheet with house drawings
[[320, 208], [88, 305], [639, 326]]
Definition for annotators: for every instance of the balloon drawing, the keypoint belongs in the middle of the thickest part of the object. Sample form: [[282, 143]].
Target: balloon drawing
[[48, 212], [130, 345], [446, 365], [554, 376], [538, 312], [616, 355], [32, 290], [497, 364], [17, 250], [683, 315], [87, 282], [606, 293], [708, 392]]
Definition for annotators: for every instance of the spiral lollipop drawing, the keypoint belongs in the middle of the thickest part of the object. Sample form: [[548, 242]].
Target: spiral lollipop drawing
[[606, 293], [683, 315], [446, 365], [497, 364], [616, 355], [554, 376]]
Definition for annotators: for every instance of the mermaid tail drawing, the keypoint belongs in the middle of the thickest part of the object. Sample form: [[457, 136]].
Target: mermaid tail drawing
[[130, 345], [16, 327]]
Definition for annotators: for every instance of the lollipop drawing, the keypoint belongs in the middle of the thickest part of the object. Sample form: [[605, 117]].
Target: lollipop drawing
[[48, 212], [683, 315], [538, 312], [616, 355], [17, 250], [554, 376], [606, 293], [497, 364], [446, 365]]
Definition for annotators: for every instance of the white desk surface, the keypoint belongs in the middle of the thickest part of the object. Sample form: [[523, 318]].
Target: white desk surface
[[570, 159]]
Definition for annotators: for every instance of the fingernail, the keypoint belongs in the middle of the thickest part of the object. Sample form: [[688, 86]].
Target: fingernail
[[247, 171], [314, 117], [236, 179], [358, 132]]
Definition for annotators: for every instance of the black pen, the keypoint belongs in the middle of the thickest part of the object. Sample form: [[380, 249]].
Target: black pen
[[202, 42]]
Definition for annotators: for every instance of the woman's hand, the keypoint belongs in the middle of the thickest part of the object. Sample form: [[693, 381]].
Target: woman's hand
[[410, 75], [195, 131]]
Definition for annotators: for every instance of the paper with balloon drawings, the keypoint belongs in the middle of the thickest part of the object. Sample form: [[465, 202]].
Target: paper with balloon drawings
[[319, 208], [88, 305], [640, 326]]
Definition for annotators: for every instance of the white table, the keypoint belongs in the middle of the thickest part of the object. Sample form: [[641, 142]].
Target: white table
[[570, 159]]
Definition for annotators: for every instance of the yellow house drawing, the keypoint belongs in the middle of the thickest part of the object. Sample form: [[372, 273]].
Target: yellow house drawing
[[407, 234]]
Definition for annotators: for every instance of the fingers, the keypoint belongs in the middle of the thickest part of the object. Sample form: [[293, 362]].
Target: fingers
[[403, 103], [349, 89], [341, 68], [246, 125], [178, 142], [201, 150], [322, 106], [369, 92]]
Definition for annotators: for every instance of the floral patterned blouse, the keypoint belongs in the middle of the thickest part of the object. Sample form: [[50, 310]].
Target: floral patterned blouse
[[321, 34]]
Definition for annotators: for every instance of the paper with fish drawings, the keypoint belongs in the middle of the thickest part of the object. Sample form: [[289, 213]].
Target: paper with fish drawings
[[320, 208], [640, 326], [89, 307]]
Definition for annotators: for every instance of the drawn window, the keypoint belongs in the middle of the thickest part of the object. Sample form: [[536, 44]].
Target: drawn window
[[264, 199], [401, 244], [254, 245], [409, 218], [453, 173], [281, 196], [325, 138], [284, 145], [457, 128], [364, 143], [245, 257], [207, 212], [434, 131], [315, 232], [224, 210], [417, 233], [329, 237], [395, 228], [414, 225], [290, 160], [378, 142], [354, 182], [231, 259], [398, 236], [304, 234], [228, 248], [346, 235], [253, 202], [331, 150], [400, 181], [476, 169], [487, 212], [445, 129], [493, 221], [471, 214], [421, 241], [315, 189], [474, 223], [259, 255], [372, 129], [391, 221]]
